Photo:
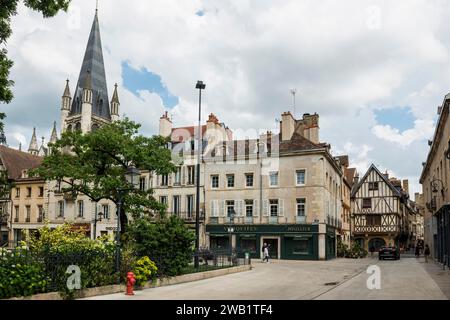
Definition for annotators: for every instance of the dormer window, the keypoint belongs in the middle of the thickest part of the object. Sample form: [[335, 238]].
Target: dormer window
[[25, 173]]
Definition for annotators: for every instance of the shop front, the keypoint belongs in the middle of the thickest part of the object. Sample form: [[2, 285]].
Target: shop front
[[289, 242], [331, 243]]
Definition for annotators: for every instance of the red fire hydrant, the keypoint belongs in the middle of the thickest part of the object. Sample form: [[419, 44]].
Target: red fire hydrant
[[131, 280]]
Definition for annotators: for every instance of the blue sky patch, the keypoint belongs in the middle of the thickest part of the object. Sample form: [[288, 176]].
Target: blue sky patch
[[400, 118], [143, 79], [200, 13]]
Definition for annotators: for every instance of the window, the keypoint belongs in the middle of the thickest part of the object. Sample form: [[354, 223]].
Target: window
[[273, 207], [60, 209], [142, 184], [40, 214], [273, 179], [28, 192], [16, 214], [300, 177], [230, 180], [249, 179], [178, 176], [191, 174], [373, 186], [164, 180], [214, 181], [190, 205], [41, 192], [230, 208], [163, 199], [17, 192], [301, 207], [176, 205], [373, 220], [301, 247], [80, 209], [28, 211], [249, 208], [367, 203], [105, 210]]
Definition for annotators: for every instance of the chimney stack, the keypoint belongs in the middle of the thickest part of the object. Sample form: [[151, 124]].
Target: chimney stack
[[165, 125], [287, 126], [406, 186]]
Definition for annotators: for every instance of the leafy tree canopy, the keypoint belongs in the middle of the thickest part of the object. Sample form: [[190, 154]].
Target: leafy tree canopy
[[8, 9], [94, 164]]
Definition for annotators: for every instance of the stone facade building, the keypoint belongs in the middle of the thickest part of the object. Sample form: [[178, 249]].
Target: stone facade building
[[436, 193]]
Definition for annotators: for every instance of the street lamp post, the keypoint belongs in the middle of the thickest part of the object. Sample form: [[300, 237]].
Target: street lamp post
[[98, 218], [230, 230], [200, 86], [132, 177]]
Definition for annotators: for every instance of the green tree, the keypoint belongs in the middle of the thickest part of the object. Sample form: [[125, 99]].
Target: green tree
[[95, 163], [8, 9], [167, 241]]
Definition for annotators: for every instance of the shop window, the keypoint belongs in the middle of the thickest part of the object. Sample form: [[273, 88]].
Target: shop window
[[301, 247]]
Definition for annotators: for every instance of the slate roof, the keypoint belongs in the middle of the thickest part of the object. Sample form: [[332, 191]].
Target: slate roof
[[15, 161], [93, 68]]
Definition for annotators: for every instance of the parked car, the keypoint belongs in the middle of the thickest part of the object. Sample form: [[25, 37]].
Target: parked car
[[389, 252]]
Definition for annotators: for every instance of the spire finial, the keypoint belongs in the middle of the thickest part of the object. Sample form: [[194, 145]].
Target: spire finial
[[96, 6]]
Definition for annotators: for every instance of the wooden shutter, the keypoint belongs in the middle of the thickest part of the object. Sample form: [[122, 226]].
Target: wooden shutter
[[281, 207], [266, 208]]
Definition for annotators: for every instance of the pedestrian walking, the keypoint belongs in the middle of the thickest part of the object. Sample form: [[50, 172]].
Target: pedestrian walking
[[427, 253], [417, 251], [266, 254], [263, 250]]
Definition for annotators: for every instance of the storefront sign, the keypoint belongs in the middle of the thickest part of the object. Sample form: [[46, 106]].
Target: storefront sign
[[262, 228]]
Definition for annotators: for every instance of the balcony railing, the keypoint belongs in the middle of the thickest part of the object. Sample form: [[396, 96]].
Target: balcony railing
[[301, 219]]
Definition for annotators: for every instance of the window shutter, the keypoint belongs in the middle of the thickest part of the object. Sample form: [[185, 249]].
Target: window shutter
[[216, 208], [266, 208], [281, 208], [157, 180], [56, 209], [256, 207]]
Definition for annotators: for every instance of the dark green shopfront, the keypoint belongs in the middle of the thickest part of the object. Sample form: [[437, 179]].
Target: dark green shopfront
[[287, 242]]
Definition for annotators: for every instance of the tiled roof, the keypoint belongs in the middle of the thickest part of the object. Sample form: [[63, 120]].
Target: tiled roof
[[182, 133], [299, 143], [349, 174], [15, 161]]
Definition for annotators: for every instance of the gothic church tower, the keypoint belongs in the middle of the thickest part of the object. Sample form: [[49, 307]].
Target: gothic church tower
[[89, 109]]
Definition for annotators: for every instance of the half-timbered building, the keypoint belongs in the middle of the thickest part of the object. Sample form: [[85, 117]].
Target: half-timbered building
[[379, 211]]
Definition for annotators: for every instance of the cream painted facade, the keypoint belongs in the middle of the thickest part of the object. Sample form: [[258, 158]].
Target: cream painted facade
[[28, 206], [435, 180]]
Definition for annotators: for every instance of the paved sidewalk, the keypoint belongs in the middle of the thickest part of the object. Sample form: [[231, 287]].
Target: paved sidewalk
[[438, 274]]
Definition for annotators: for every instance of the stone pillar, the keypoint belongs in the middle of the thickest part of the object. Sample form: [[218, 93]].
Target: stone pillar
[[322, 241]]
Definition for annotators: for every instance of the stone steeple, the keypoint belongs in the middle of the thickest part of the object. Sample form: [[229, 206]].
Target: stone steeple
[[54, 136], [94, 68], [33, 148], [115, 105]]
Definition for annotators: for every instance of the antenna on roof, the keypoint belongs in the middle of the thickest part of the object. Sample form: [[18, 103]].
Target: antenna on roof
[[293, 92]]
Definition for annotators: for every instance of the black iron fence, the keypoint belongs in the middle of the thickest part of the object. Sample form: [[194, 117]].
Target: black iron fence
[[57, 271]]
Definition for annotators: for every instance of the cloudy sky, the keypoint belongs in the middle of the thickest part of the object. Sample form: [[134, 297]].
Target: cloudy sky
[[375, 71]]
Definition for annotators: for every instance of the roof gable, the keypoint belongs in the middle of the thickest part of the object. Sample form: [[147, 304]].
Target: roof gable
[[374, 168]]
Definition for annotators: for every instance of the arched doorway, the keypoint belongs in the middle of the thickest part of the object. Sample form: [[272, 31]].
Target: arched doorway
[[377, 243]]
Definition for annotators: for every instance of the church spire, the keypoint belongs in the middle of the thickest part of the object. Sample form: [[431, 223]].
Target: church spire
[[94, 68], [33, 148], [115, 105], [54, 136]]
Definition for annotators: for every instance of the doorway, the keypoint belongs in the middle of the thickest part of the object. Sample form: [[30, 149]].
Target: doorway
[[273, 247]]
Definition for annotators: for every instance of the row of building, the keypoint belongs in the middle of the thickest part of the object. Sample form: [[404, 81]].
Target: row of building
[[435, 179], [285, 189]]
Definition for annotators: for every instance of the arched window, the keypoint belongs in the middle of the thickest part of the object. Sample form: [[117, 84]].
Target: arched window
[[69, 127], [100, 106], [94, 127], [78, 126], [78, 107]]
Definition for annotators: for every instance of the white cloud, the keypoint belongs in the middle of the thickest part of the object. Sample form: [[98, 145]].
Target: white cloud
[[345, 58], [422, 129]]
